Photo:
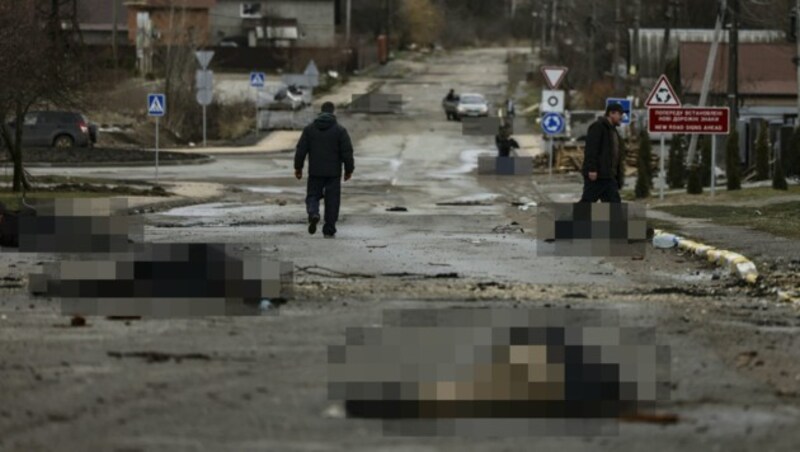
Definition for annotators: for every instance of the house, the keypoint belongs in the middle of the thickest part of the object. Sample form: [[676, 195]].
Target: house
[[275, 23], [651, 41], [96, 19], [767, 74], [173, 22]]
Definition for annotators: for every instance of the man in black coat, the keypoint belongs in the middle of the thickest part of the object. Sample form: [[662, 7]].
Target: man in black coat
[[604, 158], [328, 147]]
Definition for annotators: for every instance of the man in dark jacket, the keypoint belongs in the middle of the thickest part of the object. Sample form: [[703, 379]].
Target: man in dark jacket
[[328, 147], [604, 158]]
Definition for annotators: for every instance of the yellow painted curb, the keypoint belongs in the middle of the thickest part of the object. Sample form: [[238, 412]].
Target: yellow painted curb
[[736, 264]]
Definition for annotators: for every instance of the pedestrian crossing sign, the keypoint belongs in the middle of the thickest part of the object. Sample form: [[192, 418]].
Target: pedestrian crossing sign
[[257, 79], [156, 104]]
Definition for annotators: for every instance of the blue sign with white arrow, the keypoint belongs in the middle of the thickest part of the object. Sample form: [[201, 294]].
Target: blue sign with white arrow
[[626, 106], [553, 123], [156, 104], [257, 79]]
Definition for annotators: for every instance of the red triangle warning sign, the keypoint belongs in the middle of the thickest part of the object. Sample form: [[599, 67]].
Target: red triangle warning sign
[[663, 95]]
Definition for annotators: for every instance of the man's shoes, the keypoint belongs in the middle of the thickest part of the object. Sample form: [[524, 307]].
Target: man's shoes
[[312, 224]]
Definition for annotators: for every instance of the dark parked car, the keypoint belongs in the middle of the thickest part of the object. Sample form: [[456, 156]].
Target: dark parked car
[[61, 129]]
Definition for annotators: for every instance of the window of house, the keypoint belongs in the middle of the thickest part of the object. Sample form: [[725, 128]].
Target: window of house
[[251, 9]]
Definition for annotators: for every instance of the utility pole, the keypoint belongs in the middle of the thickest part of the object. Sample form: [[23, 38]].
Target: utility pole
[[349, 11], [114, 33], [710, 62], [544, 24], [671, 16], [617, 53], [553, 26], [797, 61], [733, 63], [637, 25], [592, 33]]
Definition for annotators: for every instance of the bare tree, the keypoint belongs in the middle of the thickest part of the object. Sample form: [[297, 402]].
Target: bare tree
[[40, 66]]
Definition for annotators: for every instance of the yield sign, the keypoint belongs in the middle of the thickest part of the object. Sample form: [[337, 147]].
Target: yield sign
[[663, 95], [554, 75], [204, 57]]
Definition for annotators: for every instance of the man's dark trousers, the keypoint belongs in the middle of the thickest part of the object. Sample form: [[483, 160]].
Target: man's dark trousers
[[329, 188], [605, 190]]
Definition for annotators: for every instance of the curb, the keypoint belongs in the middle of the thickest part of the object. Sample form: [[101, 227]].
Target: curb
[[198, 161], [736, 264]]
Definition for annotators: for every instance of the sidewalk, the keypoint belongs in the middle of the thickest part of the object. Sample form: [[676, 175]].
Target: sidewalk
[[275, 141]]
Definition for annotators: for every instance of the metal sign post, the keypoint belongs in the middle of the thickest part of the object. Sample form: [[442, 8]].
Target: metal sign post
[[156, 107], [157, 149], [662, 180], [550, 145], [257, 80], [713, 164]]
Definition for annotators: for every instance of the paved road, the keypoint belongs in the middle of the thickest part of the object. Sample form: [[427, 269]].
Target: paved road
[[734, 363]]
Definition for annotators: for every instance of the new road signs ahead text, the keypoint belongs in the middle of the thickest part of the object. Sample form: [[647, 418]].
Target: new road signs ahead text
[[705, 121]]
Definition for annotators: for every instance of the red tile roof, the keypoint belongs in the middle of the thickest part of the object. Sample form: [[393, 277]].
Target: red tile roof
[[764, 69]]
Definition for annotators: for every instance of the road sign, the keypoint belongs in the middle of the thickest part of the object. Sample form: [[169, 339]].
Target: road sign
[[204, 58], [554, 75], [553, 124], [691, 121], [205, 97], [257, 79], [663, 95], [156, 105], [204, 80], [626, 106], [552, 101]]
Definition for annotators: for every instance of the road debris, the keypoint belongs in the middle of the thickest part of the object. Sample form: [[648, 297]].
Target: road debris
[[397, 209], [160, 357]]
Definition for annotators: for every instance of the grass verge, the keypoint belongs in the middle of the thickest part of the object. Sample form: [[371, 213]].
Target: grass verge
[[781, 219]]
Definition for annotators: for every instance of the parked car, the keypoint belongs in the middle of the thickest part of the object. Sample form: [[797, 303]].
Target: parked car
[[472, 105], [60, 129]]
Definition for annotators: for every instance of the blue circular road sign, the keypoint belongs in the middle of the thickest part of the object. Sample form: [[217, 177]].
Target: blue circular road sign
[[553, 123]]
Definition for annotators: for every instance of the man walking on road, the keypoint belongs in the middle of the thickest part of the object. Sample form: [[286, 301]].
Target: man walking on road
[[328, 147], [603, 159]]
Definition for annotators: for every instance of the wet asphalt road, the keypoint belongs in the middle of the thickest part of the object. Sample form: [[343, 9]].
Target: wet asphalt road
[[263, 384]]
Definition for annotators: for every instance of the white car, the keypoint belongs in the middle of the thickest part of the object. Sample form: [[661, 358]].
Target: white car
[[471, 104]]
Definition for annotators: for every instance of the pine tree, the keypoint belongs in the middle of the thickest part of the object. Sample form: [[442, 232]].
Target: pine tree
[[733, 169], [676, 177], [694, 186], [794, 152], [778, 176], [762, 153], [644, 176], [706, 163]]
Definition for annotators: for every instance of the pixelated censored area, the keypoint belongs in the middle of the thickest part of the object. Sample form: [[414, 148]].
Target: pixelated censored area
[[376, 103], [549, 371], [95, 225], [591, 230], [486, 126], [505, 166], [167, 280]]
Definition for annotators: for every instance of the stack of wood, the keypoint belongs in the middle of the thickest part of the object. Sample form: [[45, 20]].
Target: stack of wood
[[569, 158]]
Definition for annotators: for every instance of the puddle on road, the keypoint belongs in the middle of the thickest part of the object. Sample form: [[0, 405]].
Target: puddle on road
[[273, 190], [216, 209], [469, 162], [480, 199]]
